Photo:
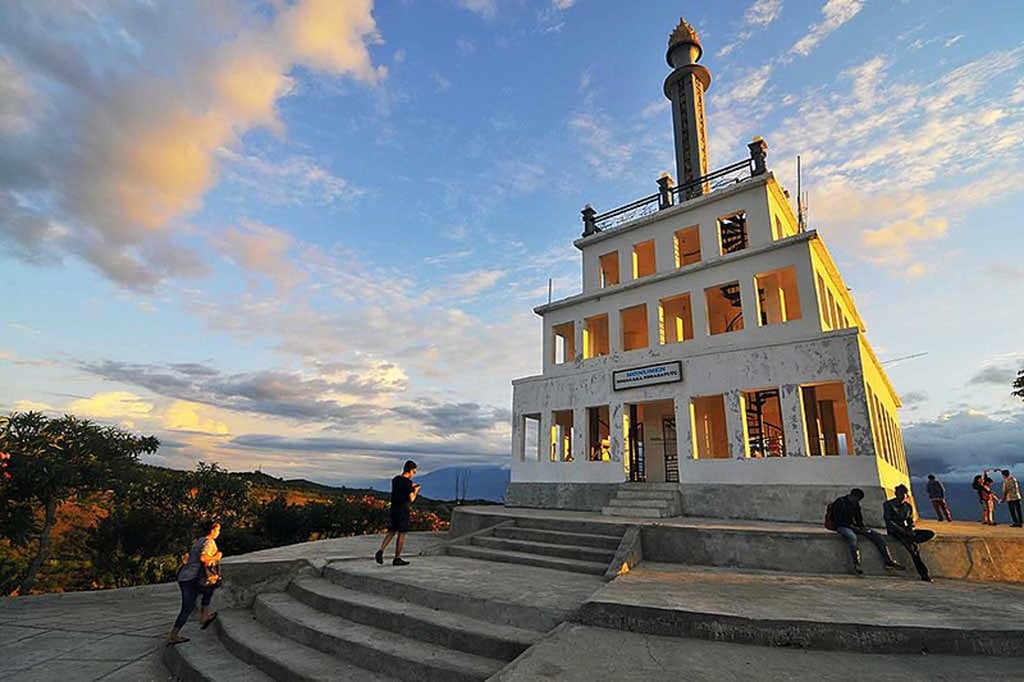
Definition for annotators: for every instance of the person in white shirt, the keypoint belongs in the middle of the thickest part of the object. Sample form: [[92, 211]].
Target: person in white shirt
[[1011, 496]]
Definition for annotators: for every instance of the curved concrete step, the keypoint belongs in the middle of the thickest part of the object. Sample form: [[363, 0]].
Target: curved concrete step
[[205, 659], [450, 630], [636, 512], [282, 658], [554, 537], [574, 565], [372, 648], [571, 525], [547, 549], [639, 503], [537, 616], [631, 494]]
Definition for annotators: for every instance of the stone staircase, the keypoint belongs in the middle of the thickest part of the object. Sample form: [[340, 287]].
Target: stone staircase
[[645, 500], [344, 623], [577, 546]]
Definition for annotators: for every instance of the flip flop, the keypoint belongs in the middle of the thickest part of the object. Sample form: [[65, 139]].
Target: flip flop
[[180, 640], [206, 623]]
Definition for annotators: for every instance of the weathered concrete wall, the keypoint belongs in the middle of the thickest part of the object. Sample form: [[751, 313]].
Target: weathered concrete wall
[[957, 557], [778, 502], [576, 496]]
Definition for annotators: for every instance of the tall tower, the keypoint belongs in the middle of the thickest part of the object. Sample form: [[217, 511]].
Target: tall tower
[[685, 86]]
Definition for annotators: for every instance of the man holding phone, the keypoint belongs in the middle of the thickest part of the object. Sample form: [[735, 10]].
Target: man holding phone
[[403, 494]]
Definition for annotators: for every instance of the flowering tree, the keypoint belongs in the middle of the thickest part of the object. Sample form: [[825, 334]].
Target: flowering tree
[[50, 461]]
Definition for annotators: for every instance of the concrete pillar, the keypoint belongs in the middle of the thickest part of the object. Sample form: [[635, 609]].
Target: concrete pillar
[[580, 452], [577, 332], [735, 423], [748, 297], [684, 429], [614, 331], [793, 420], [653, 323], [517, 437], [545, 438], [860, 416], [617, 438], [699, 309]]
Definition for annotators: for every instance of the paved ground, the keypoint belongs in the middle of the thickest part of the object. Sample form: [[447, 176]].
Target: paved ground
[[108, 635], [118, 635]]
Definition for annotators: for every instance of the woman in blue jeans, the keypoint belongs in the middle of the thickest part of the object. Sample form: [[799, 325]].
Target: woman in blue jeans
[[203, 552]]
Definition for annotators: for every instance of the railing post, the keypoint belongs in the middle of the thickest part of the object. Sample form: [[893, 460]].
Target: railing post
[[758, 155], [665, 185], [589, 224]]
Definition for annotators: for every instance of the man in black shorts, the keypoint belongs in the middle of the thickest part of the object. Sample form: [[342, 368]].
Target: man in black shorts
[[403, 494]]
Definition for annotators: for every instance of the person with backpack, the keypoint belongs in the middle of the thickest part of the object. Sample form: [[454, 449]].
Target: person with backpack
[[843, 515]]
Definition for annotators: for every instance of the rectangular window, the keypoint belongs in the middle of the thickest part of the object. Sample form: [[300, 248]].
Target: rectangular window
[[725, 308], [634, 327], [710, 434], [599, 434], [609, 269], [561, 436], [732, 232], [826, 421], [687, 246], [565, 342], [778, 299], [595, 336], [531, 438], [675, 318], [643, 259], [762, 414], [826, 323]]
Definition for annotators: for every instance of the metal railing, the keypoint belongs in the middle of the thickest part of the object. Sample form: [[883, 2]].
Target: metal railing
[[671, 195]]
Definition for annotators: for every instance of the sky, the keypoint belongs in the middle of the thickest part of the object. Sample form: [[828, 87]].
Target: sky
[[307, 237]]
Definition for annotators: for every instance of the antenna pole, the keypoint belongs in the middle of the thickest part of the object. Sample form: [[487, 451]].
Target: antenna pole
[[550, 285], [799, 197]]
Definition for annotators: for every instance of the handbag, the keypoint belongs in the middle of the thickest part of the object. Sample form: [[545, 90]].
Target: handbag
[[209, 576]]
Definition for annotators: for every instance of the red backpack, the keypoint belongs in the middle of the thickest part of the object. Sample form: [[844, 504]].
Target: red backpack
[[830, 522]]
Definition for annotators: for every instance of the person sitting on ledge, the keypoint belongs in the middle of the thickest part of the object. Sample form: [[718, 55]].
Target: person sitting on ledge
[[899, 523], [848, 521]]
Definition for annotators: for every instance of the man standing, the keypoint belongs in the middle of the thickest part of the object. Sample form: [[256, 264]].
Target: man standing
[[403, 494], [849, 522], [899, 523], [1011, 496], [937, 495]]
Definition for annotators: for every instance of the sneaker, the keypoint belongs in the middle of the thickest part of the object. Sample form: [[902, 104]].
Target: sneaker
[[926, 579], [895, 566], [399, 562], [379, 557], [858, 570]]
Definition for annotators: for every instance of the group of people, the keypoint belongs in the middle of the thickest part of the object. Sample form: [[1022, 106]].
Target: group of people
[[982, 485], [846, 518]]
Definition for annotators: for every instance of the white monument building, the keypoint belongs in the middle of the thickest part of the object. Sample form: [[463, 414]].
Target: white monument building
[[715, 363]]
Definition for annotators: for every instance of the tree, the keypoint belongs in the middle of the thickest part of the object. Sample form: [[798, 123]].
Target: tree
[[1018, 385], [51, 461]]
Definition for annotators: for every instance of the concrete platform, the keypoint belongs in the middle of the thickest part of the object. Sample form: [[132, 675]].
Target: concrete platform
[[961, 550], [866, 615], [578, 653]]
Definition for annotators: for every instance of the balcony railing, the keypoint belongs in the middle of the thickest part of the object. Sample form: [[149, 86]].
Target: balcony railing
[[671, 195]]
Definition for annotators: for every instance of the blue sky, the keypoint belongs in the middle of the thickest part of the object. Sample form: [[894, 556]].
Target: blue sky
[[308, 236]]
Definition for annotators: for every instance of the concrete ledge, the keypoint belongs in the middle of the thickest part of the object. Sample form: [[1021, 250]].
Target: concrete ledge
[[628, 555], [801, 634], [244, 580], [570, 496]]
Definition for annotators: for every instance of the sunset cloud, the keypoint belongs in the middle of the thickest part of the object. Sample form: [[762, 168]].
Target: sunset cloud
[[128, 158]]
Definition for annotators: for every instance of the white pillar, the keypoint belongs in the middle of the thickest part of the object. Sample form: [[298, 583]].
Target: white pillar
[[735, 423], [793, 420]]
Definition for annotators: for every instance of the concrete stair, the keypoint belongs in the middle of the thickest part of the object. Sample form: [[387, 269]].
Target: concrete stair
[[645, 500], [580, 547], [362, 622]]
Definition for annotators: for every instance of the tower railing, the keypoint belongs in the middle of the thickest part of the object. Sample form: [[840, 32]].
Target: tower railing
[[672, 195]]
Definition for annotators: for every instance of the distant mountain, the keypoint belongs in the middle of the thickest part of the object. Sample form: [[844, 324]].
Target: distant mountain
[[481, 483]]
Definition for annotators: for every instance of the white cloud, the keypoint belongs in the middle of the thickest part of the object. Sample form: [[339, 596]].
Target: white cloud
[[118, 162], [296, 180], [836, 13], [757, 16], [954, 40], [485, 8], [123, 406], [262, 250], [182, 415]]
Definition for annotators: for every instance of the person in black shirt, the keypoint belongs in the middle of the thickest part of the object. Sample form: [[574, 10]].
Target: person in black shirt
[[849, 522], [899, 523], [403, 494]]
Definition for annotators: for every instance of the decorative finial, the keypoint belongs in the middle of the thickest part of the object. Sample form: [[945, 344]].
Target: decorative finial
[[684, 34]]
